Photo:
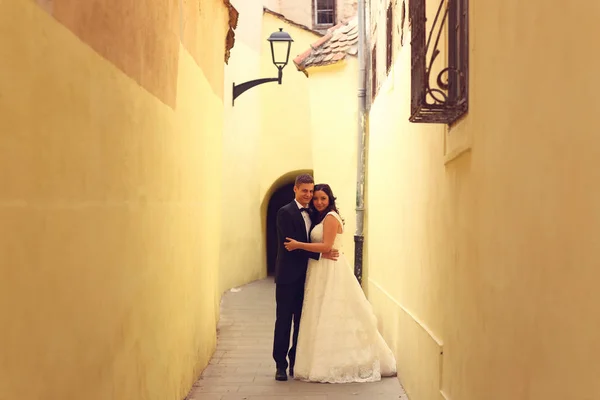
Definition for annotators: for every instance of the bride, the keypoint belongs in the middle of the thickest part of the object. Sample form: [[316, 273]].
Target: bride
[[338, 340]]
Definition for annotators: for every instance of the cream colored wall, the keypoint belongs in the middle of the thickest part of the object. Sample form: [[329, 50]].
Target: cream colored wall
[[334, 119], [302, 11], [242, 258], [273, 5], [299, 11], [482, 242], [110, 209], [345, 9]]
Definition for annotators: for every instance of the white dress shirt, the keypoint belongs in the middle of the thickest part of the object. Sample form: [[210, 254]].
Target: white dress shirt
[[306, 217]]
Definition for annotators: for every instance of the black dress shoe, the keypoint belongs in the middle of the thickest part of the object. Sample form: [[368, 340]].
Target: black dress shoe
[[292, 372], [280, 375]]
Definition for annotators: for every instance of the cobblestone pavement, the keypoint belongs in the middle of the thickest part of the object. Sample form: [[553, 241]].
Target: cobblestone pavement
[[242, 367]]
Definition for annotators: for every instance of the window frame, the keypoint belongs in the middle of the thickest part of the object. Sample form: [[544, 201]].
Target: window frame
[[316, 10]]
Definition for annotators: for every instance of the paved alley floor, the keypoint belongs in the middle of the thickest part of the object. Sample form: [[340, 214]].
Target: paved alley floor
[[242, 367]]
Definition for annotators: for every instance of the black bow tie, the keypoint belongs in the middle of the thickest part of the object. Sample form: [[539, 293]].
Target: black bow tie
[[305, 210]]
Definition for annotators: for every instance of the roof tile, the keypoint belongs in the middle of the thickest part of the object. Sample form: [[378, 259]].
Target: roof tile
[[339, 40]]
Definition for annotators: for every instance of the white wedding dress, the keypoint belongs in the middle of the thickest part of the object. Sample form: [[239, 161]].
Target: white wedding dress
[[338, 340]]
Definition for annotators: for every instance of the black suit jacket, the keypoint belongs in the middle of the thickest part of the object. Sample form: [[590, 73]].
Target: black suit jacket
[[291, 266]]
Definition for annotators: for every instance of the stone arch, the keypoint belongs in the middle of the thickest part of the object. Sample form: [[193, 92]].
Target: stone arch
[[275, 197]]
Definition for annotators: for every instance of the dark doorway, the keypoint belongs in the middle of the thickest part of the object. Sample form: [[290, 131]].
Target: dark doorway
[[280, 198]]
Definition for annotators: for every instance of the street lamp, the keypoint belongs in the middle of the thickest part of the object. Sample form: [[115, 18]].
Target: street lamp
[[281, 43]]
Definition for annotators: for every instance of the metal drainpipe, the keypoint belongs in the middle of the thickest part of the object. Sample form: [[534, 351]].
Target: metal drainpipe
[[362, 134]]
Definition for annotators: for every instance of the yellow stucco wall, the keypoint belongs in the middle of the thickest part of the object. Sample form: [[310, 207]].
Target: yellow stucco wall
[[334, 127], [491, 255], [242, 258], [110, 216]]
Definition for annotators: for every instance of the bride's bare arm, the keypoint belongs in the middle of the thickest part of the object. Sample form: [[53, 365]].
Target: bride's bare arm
[[330, 228]]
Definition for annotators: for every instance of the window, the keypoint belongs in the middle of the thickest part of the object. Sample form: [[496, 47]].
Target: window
[[439, 76], [324, 12], [389, 39]]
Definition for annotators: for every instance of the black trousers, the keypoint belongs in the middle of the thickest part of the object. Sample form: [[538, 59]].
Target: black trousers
[[289, 298]]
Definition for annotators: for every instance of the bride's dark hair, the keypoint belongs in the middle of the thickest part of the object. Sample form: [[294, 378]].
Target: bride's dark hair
[[318, 216]]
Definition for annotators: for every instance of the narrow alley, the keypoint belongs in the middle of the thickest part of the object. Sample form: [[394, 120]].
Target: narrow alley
[[242, 367], [147, 148]]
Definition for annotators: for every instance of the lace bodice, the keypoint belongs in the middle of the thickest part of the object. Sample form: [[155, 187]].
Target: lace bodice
[[316, 235]]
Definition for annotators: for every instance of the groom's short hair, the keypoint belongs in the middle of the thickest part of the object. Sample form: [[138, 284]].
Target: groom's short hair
[[304, 178]]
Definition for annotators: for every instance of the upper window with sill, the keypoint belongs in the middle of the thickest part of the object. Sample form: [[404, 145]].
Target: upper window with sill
[[324, 13]]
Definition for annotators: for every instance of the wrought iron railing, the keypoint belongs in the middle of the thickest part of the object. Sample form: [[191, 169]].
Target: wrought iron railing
[[439, 88]]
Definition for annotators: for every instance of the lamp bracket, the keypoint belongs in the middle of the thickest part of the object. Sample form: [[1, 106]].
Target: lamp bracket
[[242, 87]]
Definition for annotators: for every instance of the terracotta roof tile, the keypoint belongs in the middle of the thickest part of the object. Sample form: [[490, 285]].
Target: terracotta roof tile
[[339, 40], [321, 41]]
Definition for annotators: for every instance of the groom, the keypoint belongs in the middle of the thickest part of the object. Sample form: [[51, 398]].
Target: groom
[[293, 220]]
